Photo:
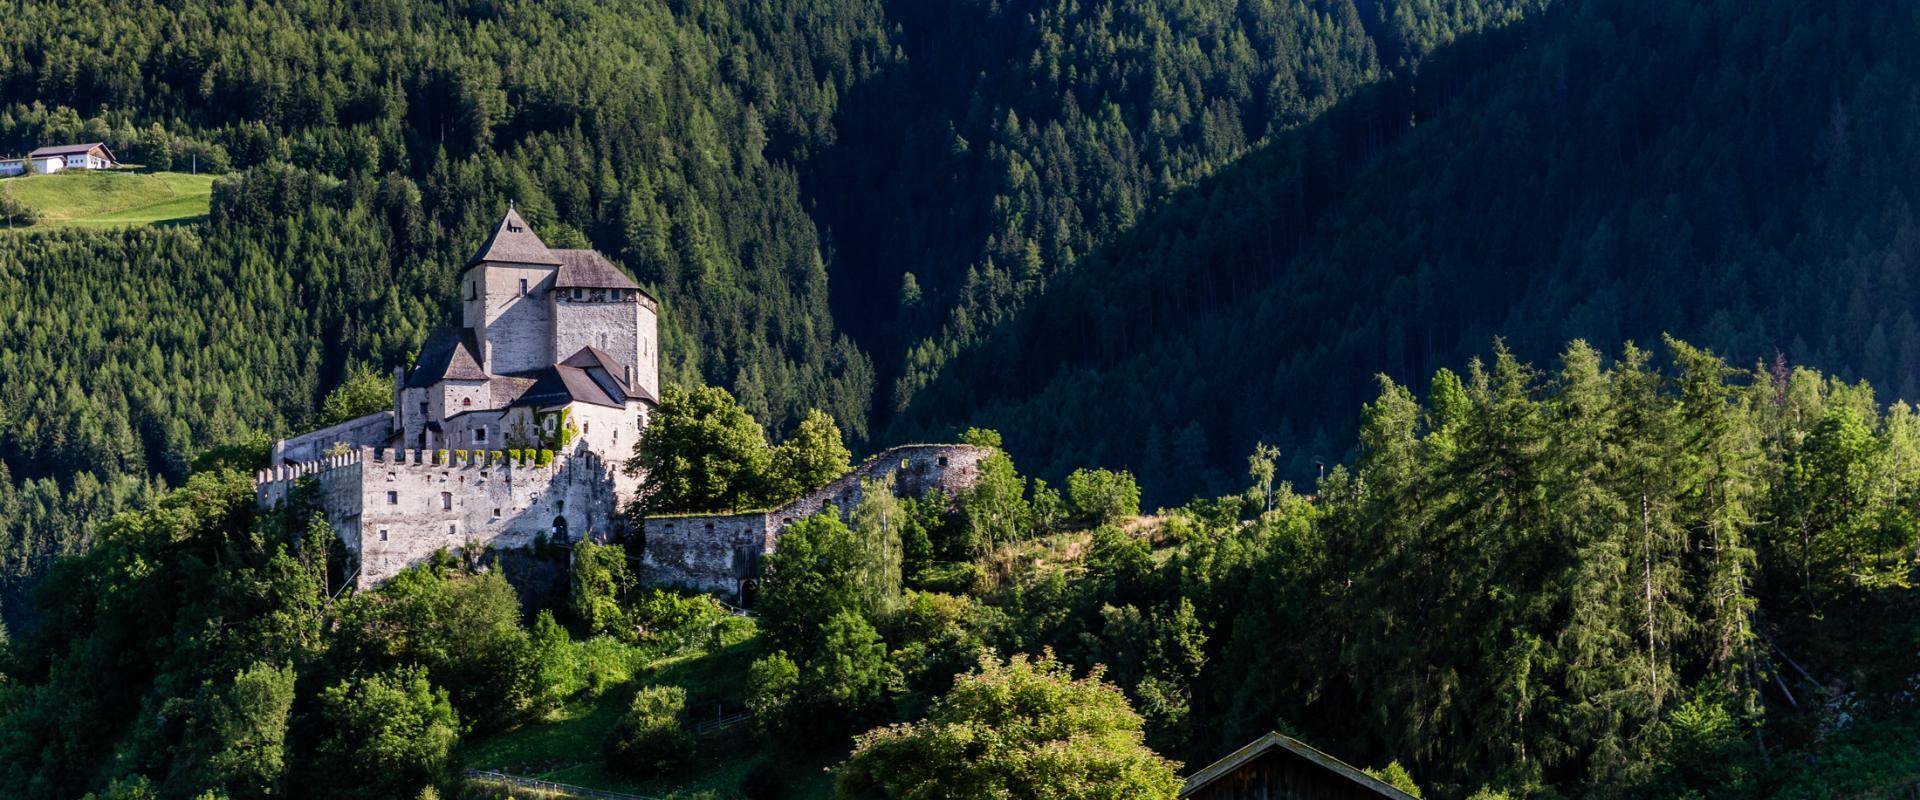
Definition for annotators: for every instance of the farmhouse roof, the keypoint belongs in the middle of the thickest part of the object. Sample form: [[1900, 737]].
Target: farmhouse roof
[[69, 150], [560, 384], [1294, 748], [514, 240], [449, 354], [587, 269]]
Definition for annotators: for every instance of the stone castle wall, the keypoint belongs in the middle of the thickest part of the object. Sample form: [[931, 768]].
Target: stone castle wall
[[721, 553], [371, 430], [395, 508]]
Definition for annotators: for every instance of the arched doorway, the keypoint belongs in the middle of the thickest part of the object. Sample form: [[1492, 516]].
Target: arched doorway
[[749, 590], [560, 529]]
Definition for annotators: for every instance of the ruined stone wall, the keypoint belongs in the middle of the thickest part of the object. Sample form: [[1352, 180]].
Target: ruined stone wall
[[713, 553], [395, 508], [371, 430], [721, 552]]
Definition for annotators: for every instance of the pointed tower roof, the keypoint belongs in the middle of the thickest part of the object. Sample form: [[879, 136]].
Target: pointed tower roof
[[514, 240]]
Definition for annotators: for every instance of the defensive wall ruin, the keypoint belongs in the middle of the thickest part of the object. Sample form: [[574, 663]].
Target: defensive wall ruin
[[720, 553]]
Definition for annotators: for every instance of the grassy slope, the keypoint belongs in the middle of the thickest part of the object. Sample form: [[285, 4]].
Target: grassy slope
[[567, 748], [100, 199]]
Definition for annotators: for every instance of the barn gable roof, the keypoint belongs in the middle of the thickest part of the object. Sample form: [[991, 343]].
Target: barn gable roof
[[1296, 748], [71, 150]]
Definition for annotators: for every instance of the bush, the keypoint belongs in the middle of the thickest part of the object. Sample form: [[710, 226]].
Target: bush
[[16, 212], [960, 577], [1101, 496], [600, 577], [545, 458], [729, 631], [601, 663], [650, 739]]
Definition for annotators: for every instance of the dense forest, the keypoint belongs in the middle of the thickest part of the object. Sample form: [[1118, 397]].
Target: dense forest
[[1641, 575], [1139, 238], [1734, 173], [731, 158]]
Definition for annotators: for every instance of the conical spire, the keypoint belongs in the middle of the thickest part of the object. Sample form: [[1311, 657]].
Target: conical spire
[[514, 240]]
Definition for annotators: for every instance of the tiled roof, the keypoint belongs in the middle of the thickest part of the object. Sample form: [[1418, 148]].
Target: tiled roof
[[513, 240], [449, 354], [559, 385], [602, 368], [504, 390], [587, 269]]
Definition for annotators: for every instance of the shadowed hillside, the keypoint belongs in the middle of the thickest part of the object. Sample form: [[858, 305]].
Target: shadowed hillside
[[1731, 172]]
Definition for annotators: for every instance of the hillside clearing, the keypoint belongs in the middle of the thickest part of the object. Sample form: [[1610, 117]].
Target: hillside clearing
[[104, 199]]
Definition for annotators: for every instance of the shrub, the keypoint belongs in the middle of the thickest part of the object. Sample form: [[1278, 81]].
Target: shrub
[[650, 739], [439, 456], [961, 577], [544, 459], [1101, 496], [602, 662], [729, 631]]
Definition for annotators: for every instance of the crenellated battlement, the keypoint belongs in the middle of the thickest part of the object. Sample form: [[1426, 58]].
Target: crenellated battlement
[[396, 506], [409, 458]]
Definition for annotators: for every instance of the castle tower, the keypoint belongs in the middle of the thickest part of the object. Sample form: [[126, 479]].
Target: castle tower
[[505, 291]]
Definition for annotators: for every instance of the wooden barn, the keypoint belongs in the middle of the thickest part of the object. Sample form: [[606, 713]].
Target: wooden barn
[[1277, 767]]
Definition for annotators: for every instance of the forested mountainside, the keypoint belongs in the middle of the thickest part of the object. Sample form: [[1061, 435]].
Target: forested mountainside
[[1650, 576], [372, 144], [1733, 172], [737, 159]]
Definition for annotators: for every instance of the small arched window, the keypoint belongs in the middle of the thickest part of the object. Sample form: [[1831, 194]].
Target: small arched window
[[466, 402]]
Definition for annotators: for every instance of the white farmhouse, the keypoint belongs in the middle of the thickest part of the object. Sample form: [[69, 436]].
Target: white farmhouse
[[51, 159]]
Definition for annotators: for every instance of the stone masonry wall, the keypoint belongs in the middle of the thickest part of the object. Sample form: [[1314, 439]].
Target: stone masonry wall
[[721, 553], [518, 332], [395, 508], [371, 430], [611, 325]]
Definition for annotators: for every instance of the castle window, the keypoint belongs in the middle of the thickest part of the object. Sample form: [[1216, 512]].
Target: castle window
[[585, 428], [523, 287], [560, 505], [393, 498], [943, 461], [466, 402], [480, 435], [496, 513], [383, 534], [446, 501], [390, 476], [423, 408], [473, 290], [453, 529]]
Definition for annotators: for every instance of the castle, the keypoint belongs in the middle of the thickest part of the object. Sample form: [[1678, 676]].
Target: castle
[[516, 426], [557, 356]]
